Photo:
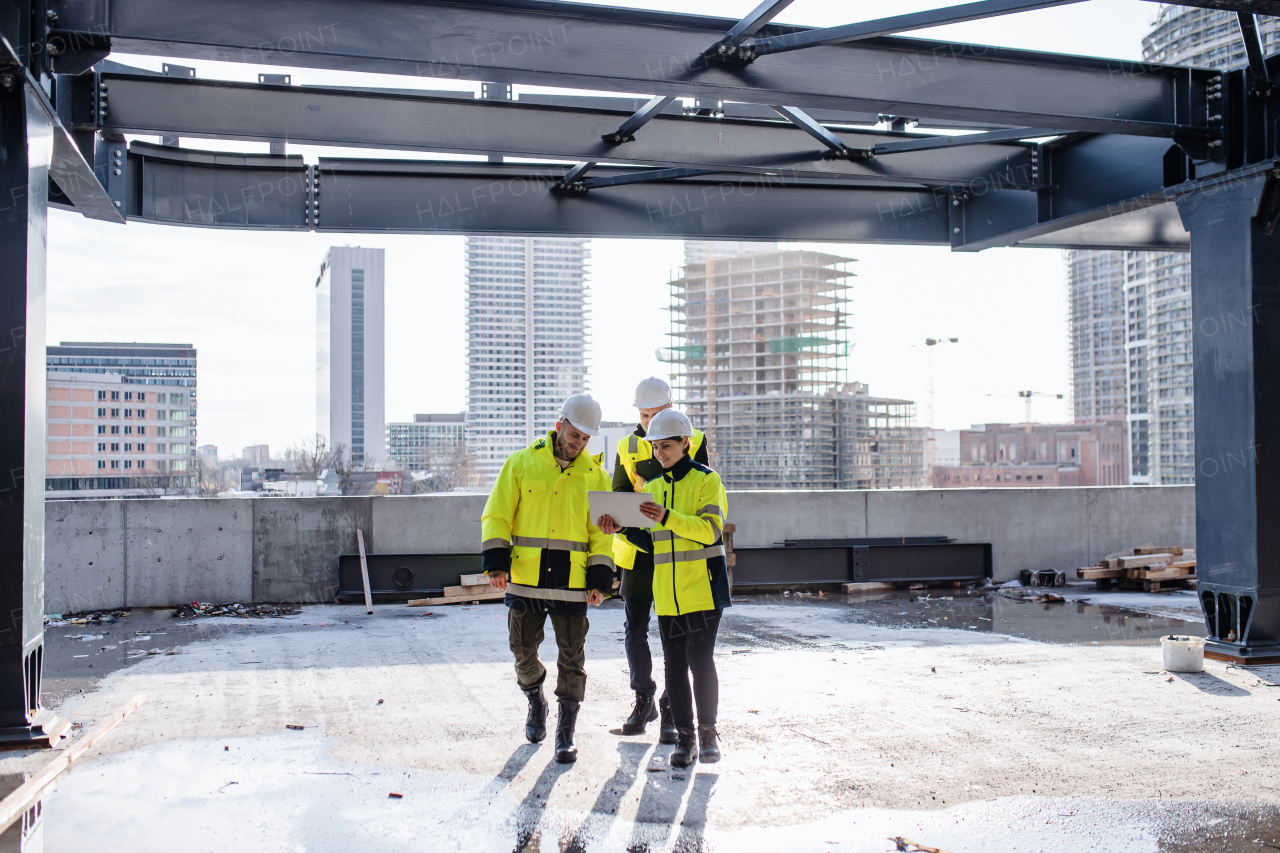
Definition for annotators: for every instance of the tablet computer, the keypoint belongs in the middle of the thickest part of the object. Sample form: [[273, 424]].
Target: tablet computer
[[623, 506]]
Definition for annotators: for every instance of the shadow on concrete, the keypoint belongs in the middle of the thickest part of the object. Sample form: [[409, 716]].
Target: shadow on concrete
[[659, 805], [694, 825], [528, 815], [1209, 683], [609, 800]]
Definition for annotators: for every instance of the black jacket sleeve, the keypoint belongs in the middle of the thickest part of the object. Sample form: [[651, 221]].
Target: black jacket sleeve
[[621, 482], [496, 560], [701, 457], [600, 577]]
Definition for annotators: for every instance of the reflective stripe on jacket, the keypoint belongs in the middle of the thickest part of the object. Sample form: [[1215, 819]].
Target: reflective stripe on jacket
[[631, 453], [536, 505], [689, 572]]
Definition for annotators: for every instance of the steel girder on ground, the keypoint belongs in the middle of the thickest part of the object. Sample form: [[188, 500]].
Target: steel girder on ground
[[574, 45]]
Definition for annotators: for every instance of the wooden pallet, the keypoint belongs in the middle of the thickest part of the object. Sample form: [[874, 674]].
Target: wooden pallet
[[1093, 573], [1157, 586], [1160, 573]]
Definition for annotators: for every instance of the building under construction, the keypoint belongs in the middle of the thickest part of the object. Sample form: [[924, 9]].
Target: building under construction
[[759, 352]]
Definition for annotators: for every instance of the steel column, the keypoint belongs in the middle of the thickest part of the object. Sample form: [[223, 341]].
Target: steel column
[[1235, 294], [28, 147]]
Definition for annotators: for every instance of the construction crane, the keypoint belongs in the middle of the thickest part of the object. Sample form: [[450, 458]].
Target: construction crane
[[1028, 395], [933, 342]]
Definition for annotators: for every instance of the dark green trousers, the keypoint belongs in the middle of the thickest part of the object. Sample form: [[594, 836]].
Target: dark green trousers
[[526, 634]]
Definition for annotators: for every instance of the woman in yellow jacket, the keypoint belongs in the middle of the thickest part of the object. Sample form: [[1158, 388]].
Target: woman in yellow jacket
[[690, 580]]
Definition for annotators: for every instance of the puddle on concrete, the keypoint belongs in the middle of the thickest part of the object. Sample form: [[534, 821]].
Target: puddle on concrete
[[986, 611], [76, 657]]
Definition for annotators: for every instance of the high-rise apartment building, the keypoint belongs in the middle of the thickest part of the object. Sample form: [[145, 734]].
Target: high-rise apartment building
[[1097, 334], [1148, 294], [526, 328], [121, 420], [350, 357], [409, 444], [759, 345]]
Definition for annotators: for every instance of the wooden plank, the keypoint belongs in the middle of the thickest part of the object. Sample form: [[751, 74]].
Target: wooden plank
[[364, 572], [1094, 573], [492, 595], [25, 795], [469, 589], [473, 580], [1157, 574], [1143, 560], [1175, 551], [1183, 564]]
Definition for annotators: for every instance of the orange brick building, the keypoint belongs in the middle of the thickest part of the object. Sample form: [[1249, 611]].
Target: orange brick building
[[118, 423], [1010, 456]]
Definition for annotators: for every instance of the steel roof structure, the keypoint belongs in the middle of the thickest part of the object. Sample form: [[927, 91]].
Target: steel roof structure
[[736, 130]]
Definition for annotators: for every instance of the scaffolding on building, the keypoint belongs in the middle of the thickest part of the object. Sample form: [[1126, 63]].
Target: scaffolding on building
[[759, 360]]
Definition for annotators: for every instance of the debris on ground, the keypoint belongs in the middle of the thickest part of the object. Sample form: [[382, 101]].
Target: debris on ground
[[250, 611], [96, 617], [394, 796], [1147, 568], [1042, 577], [141, 653], [915, 847], [294, 726]]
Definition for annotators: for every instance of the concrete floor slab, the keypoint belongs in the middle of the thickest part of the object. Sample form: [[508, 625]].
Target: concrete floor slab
[[837, 734]]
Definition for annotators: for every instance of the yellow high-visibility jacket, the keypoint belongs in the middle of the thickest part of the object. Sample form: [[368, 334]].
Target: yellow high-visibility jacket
[[536, 505], [689, 572], [631, 452]]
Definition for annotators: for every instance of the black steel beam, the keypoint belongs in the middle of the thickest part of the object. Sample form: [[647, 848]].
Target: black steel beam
[[577, 45], [932, 143], [155, 105], [201, 189], [1253, 50], [1235, 299], [1093, 179], [26, 140], [897, 24], [642, 177]]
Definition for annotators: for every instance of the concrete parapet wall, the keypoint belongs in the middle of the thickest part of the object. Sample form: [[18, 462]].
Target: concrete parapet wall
[[151, 553]]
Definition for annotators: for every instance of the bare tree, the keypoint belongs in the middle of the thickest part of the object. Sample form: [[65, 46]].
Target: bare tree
[[447, 468], [313, 456]]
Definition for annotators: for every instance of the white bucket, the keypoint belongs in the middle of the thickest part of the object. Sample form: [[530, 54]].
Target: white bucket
[[1183, 654]]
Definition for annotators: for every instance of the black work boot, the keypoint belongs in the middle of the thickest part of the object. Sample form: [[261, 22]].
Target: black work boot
[[708, 748], [686, 744], [667, 729], [642, 714], [535, 726], [566, 752]]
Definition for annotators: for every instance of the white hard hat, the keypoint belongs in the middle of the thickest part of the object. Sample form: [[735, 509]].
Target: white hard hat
[[583, 412], [652, 393], [669, 423]]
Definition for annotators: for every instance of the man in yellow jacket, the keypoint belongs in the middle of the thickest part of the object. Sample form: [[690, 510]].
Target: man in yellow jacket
[[541, 547]]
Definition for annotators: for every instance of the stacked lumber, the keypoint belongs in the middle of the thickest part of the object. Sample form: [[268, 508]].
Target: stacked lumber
[[1148, 568], [471, 589]]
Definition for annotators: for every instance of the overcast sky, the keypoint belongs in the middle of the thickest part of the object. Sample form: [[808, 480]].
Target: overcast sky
[[247, 301]]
